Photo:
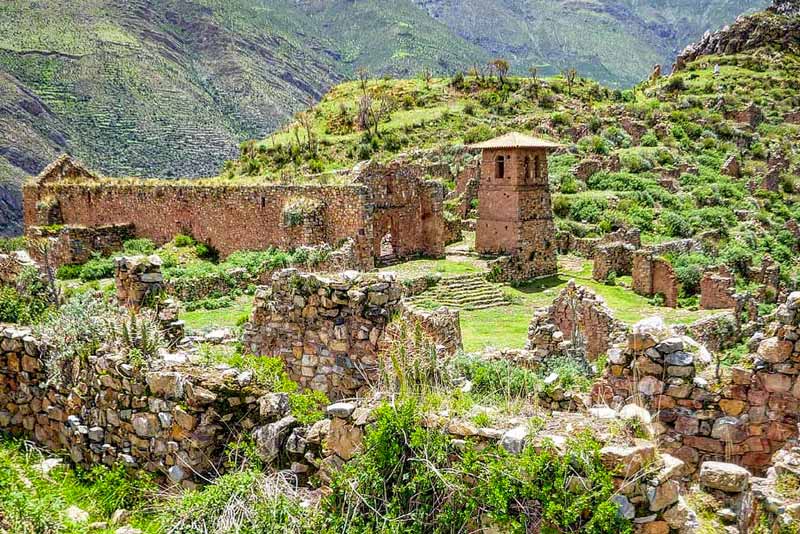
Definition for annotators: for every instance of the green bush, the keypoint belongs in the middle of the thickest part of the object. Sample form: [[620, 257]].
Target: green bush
[[689, 269], [206, 252], [498, 378], [477, 134], [97, 268], [69, 272], [10, 305], [139, 246], [182, 240], [588, 209]]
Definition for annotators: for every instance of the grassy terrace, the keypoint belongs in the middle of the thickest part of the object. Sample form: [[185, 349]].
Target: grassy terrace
[[507, 327]]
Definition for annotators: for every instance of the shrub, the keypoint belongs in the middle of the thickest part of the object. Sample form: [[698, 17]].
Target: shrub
[[182, 240], [476, 134], [689, 269], [10, 305], [97, 268], [139, 246], [69, 272], [674, 224], [498, 378], [206, 252], [588, 209]]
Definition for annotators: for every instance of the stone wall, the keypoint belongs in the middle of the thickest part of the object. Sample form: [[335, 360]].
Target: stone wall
[[76, 244], [174, 420], [442, 326], [11, 265], [382, 200], [137, 279], [745, 419], [327, 330], [551, 327], [586, 246], [717, 290], [655, 276], [614, 258]]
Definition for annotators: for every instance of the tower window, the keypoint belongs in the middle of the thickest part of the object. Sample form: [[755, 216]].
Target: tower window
[[527, 169], [500, 167], [536, 164]]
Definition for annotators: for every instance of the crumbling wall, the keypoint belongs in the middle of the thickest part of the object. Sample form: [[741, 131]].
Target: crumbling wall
[[575, 309], [717, 289], [327, 330], [745, 419], [587, 246], [614, 258], [76, 244], [137, 279], [11, 265], [174, 420], [406, 207], [655, 276], [442, 326]]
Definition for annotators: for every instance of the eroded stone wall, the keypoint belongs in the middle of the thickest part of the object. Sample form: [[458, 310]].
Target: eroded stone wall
[[614, 258], [653, 275], [717, 290], [76, 244]]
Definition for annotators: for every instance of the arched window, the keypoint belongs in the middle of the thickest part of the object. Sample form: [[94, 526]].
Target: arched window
[[500, 167]]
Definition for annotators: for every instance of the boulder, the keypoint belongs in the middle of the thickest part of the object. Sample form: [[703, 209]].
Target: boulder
[[723, 476], [774, 350]]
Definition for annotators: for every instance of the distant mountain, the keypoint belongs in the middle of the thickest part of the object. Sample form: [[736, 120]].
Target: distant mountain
[[170, 87]]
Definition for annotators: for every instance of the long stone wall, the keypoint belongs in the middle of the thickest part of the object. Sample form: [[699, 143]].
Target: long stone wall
[[174, 420]]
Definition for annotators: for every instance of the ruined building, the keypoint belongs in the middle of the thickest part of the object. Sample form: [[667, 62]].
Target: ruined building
[[386, 210], [514, 206]]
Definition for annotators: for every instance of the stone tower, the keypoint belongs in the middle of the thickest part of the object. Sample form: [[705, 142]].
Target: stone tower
[[515, 214]]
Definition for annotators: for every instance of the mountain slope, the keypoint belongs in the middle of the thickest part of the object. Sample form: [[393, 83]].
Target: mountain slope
[[616, 42], [171, 87]]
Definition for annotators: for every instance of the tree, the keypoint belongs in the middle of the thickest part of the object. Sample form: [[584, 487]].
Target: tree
[[427, 75], [534, 82], [501, 66], [570, 75], [371, 112]]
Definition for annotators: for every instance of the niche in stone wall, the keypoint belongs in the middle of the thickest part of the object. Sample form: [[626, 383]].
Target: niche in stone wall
[[307, 215]]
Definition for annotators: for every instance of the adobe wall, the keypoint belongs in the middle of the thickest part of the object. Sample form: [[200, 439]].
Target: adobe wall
[[402, 204], [655, 276], [230, 218], [745, 421], [75, 245], [614, 258]]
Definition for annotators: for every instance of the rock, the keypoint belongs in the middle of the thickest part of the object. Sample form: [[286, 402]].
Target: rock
[[344, 439], [677, 516], [670, 345], [663, 495], [273, 405], [119, 516], [624, 507], [776, 382], [728, 429], [732, 407], [177, 474], [514, 440], [627, 461], [774, 350], [76, 515], [166, 384], [462, 428], [724, 476], [603, 412], [679, 358], [145, 425], [270, 438], [654, 527], [342, 410], [127, 530], [318, 431], [650, 385], [48, 465]]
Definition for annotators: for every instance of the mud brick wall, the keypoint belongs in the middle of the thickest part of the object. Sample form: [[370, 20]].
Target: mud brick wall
[[230, 218], [717, 290], [744, 420], [612, 258], [174, 420], [576, 307], [655, 276], [327, 330], [75, 244]]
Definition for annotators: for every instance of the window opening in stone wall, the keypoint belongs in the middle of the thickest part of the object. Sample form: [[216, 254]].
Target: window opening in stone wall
[[500, 167], [526, 169], [536, 168]]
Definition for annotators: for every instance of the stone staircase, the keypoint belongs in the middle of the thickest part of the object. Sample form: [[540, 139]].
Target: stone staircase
[[465, 292]]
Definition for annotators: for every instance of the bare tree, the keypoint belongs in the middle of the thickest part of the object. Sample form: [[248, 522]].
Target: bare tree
[[307, 124], [501, 66], [371, 112], [534, 81], [427, 76], [43, 248], [570, 75]]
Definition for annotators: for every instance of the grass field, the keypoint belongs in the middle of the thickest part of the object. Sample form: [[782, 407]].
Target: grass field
[[221, 318]]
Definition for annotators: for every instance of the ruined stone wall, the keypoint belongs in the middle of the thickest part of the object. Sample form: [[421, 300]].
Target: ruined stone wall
[[717, 290], [75, 244], [327, 330], [229, 218], [175, 420], [552, 326], [11, 265], [442, 326], [655, 276], [744, 420], [614, 258], [405, 206], [587, 246]]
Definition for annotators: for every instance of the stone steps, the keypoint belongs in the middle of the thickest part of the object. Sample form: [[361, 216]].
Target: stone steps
[[467, 292]]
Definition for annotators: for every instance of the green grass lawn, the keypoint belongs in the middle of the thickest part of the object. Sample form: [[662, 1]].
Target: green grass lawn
[[507, 327], [444, 267], [221, 318]]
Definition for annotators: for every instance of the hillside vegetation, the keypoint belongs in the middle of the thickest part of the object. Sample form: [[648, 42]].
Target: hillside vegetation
[[169, 88], [662, 146]]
